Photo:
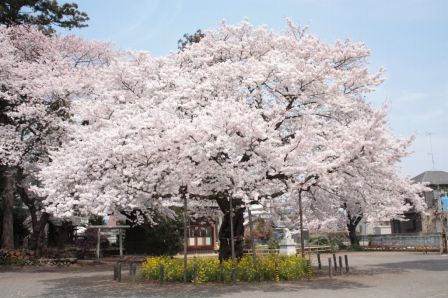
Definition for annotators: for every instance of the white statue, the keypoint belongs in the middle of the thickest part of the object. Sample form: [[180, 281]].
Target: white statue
[[287, 245], [287, 234]]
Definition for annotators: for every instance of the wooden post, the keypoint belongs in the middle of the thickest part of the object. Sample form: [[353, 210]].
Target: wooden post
[[120, 236], [318, 261], [185, 236], [115, 271], [221, 272], [133, 269], [98, 243], [232, 240], [329, 267], [119, 271], [196, 274], [161, 274], [308, 269], [335, 263], [277, 275], [424, 243], [233, 275], [443, 246], [340, 264], [346, 264], [254, 255], [245, 274]]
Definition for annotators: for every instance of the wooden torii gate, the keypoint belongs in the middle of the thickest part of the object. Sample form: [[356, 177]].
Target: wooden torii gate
[[120, 236]]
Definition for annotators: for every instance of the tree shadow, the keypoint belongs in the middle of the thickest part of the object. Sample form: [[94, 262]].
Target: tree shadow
[[103, 286], [426, 265], [394, 267], [388, 263], [100, 284]]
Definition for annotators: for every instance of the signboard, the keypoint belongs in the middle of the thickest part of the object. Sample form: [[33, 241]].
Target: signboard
[[306, 235]]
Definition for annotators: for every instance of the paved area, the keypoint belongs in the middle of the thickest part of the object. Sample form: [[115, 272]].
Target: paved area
[[374, 274]]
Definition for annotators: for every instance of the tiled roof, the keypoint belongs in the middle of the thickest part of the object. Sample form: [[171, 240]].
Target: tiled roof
[[432, 177]]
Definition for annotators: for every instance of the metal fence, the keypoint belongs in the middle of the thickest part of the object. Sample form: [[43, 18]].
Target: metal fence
[[422, 242], [308, 249]]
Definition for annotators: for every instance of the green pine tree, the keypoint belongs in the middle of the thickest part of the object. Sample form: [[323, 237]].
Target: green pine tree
[[45, 14]]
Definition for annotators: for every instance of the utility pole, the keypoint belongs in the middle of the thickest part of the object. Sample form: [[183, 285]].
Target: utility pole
[[429, 134], [302, 241], [251, 227], [184, 195], [232, 241]]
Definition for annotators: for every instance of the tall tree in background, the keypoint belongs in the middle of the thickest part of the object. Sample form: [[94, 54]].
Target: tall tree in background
[[45, 14], [41, 76], [189, 39]]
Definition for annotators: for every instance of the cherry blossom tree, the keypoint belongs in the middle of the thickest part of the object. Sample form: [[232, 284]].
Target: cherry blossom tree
[[40, 76], [367, 185], [246, 113], [311, 114]]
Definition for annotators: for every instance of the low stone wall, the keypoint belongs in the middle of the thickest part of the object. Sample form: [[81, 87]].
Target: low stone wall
[[404, 241], [24, 257]]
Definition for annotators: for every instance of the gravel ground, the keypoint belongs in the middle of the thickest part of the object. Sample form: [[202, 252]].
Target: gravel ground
[[373, 274]]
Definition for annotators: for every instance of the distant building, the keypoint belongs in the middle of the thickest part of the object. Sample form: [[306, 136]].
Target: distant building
[[432, 221], [416, 222], [203, 234], [365, 228]]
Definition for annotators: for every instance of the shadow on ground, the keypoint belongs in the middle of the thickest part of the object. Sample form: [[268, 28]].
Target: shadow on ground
[[426, 265], [103, 286], [396, 267]]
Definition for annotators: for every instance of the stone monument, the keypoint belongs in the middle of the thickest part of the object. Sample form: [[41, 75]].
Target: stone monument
[[287, 244]]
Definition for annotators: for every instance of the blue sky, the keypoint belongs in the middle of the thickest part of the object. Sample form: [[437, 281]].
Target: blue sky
[[409, 38]]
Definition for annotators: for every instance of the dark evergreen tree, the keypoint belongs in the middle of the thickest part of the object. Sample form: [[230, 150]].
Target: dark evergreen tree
[[45, 14], [163, 238], [189, 39]]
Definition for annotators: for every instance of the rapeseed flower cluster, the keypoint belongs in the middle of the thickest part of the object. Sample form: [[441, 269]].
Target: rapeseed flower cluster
[[269, 268]]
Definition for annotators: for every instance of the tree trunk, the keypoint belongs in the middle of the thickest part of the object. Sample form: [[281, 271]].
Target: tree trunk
[[351, 226], [30, 204], [252, 242], [37, 238], [39, 234], [64, 234], [354, 240], [7, 240], [225, 251]]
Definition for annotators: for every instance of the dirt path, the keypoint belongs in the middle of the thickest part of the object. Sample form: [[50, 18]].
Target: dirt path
[[374, 274]]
